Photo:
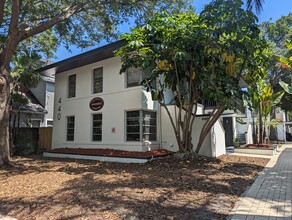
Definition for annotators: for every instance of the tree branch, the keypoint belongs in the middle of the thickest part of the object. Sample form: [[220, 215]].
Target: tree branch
[[14, 17], [43, 26], [13, 38], [2, 5]]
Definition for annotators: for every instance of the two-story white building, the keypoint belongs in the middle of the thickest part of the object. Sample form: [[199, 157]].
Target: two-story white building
[[96, 107]]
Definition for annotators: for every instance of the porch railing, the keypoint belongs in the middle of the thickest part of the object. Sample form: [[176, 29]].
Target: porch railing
[[238, 104]]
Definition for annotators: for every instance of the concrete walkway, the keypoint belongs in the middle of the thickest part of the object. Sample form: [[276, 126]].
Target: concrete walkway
[[270, 195]]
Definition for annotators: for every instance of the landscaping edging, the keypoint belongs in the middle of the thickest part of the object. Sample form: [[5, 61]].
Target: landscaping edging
[[257, 150]]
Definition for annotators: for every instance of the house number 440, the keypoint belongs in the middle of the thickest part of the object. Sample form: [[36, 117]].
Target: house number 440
[[59, 109]]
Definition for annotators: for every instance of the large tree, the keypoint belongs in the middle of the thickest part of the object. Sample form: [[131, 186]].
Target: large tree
[[195, 57], [80, 22], [279, 35]]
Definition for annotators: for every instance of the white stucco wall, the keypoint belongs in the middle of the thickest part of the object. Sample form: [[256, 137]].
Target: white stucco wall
[[281, 134], [217, 135], [117, 100], [214, 144], [248, 134]]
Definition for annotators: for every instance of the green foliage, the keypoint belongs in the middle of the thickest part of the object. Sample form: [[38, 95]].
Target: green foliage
[[277, 33], [286, 87], [257, 4], [18, 98], [90, 21], [26, 141], [194, 46], [197, 57], [279, 36], [260, 98]]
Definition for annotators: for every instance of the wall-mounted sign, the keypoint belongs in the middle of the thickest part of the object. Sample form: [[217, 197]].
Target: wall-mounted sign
[[96, 104]]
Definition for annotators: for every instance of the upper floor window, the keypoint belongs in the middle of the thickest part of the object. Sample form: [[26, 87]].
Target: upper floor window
[[134, 77], [72, 86], [97, 80]]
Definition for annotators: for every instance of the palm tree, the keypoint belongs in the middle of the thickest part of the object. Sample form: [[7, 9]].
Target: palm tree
[[257, 4]]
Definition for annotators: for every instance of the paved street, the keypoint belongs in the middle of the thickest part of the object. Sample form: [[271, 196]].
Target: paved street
[[270, 195]]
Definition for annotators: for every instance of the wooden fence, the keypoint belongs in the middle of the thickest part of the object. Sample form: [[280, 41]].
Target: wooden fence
[[45, 138], [32, 140]]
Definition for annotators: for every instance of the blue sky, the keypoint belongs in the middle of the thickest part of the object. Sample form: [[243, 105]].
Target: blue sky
[[272, 9]]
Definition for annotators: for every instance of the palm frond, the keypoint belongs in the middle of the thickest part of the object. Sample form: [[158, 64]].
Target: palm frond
[[257, 4]]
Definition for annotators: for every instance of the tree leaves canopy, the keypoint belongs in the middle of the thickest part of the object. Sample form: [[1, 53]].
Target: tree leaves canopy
[[196, 57]]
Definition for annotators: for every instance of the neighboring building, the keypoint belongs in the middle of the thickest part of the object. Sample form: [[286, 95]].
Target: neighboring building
[[44, 93], [36, 107], [96, 107], [26, 109], [281, 132]]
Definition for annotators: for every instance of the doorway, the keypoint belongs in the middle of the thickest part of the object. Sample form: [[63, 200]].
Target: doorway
[[228, 127]]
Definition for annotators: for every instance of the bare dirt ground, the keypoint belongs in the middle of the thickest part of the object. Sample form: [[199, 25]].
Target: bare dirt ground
[[166, 188]]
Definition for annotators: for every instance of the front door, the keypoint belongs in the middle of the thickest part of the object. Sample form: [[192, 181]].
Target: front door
[[228, 127]]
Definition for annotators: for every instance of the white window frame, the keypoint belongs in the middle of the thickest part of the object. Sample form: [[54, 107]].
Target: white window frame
[[93, 86], [92, 128], [51, 121], [141, 126], [131, 71], [70, 128], [68, 86], [35, 119]]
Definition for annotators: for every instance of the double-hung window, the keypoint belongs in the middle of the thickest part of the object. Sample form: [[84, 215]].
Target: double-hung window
[[70, 128], [97, 127], [141, 125], [98, 80], [72, 86], [149, 126], [133, 126], [134, 77]]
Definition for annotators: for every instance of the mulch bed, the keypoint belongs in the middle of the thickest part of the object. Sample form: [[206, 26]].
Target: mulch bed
[[260, 146], [165, 188], [111, 152]]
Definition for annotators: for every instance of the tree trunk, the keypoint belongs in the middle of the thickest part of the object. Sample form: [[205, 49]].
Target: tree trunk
[[260, 125], [4, 116], [207, 127], [254, 135], [273, 131]]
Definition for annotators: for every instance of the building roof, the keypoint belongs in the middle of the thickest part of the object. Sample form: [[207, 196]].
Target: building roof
[[48, 78], [83, 59], [32, 105]]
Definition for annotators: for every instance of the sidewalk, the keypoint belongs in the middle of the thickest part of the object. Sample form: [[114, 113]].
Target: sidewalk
[[270, 195]]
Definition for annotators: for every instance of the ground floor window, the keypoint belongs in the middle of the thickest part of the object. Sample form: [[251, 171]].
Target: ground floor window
[[141, 125], [149, 126], [35, 123], [97, 127], [49, 123], [70, 128]]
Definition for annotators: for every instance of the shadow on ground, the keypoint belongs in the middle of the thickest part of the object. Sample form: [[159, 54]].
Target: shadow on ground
[[162, 189]]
